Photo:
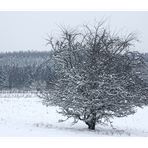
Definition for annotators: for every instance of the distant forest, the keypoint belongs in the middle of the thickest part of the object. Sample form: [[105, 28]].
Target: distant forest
[[26, 70], [23, 70]]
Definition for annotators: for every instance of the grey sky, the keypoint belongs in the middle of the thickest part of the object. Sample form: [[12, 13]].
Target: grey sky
[[27, 30]]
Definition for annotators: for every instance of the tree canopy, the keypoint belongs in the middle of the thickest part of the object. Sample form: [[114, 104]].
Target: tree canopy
[[96, 75]]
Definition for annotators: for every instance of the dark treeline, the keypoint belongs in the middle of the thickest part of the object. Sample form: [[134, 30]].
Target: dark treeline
[[27, 70], [23, 70]]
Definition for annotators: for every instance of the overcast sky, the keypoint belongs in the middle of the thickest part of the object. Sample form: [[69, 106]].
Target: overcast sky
[[28, 30]]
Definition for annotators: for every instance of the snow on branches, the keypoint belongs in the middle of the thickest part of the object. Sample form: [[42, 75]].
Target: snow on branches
[[97, 77]]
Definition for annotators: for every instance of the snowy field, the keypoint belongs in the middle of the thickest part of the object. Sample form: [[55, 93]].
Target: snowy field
[[25, 116]]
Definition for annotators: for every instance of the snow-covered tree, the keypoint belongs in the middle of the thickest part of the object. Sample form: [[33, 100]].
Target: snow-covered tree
[[96, 76], [4, 77]]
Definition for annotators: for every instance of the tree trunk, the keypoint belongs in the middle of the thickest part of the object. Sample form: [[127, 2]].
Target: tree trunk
[[91, 126], [92, 122]]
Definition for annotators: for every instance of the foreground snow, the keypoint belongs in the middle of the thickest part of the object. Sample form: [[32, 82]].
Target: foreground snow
[[26, 116]]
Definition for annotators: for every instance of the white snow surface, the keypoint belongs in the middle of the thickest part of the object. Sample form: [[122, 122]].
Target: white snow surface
[[25, 116]]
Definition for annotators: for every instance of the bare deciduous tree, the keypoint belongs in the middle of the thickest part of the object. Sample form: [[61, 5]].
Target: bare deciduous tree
[[97, 77]]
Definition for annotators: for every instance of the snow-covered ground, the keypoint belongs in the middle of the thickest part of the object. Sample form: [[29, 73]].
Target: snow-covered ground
[[25, 116]]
